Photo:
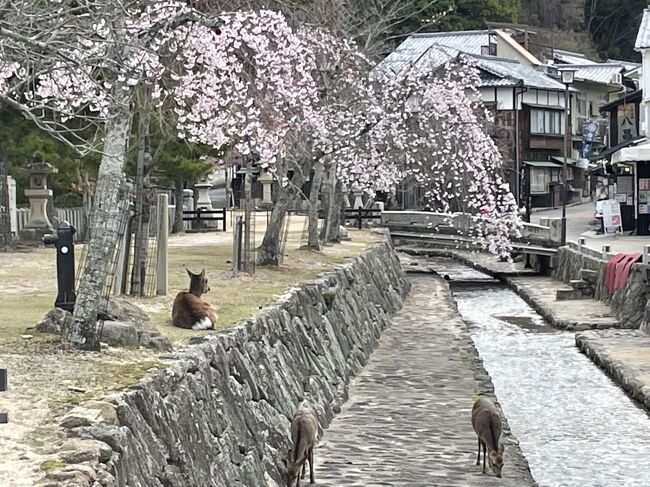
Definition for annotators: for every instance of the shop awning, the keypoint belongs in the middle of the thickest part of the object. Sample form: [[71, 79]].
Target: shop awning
[[569, 160], [542, 164], [631, 154]]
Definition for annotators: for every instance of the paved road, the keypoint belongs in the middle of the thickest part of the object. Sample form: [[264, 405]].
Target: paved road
[[580, 223], [407, 422]]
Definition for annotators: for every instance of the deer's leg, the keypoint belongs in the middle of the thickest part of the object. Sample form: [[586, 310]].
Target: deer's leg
[[478, 458], [304, 469], [311, 465], [484, 454]]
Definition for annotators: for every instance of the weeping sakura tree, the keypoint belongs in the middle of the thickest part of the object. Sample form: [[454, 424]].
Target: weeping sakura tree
[[432, 127], [73, 69], [253, 95]]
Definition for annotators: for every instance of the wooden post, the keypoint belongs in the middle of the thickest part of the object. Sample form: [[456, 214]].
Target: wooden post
[[4, 417], [582, 242], [162, 281], [236, 245]]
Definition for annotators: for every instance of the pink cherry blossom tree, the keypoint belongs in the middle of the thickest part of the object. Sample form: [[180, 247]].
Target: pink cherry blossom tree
[[245, 85]]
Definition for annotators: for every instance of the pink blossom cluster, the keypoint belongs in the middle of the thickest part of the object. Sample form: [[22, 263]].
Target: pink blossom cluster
[[259, 87]]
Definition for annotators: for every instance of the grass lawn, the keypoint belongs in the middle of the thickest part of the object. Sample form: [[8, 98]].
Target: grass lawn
[[238, 297]]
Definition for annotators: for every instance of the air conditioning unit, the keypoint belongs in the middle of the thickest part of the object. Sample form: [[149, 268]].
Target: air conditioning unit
[[617, 79]]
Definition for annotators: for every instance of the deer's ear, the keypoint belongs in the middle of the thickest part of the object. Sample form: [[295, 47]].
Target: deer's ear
[[189, 273], [502, 448], [202, 273]]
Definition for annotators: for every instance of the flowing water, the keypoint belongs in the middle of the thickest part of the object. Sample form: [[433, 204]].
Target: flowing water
[[576, 427]]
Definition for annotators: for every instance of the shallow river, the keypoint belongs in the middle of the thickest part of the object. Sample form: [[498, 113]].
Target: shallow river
[[575, 426]]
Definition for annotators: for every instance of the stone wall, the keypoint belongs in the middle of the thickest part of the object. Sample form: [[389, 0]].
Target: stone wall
[[220, 414], [629, 304]]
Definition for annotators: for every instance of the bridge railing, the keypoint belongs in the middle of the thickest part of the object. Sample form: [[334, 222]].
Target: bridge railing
[[547, 234]]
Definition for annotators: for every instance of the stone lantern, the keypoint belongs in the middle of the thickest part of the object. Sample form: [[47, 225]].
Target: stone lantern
[[39, 195], [266, 179]]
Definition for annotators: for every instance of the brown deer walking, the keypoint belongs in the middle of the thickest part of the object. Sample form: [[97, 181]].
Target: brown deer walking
[[486, 421], [304, 430], [189, 310]]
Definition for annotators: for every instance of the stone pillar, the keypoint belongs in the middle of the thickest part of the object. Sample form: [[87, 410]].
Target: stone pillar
[[13, 212], [266, 180], [203, 200], [188, 204], [39, 195], [162, 236], [358, 201], [346, 197]]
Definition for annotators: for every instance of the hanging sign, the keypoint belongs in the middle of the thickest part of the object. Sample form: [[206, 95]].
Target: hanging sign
[[612, 216]]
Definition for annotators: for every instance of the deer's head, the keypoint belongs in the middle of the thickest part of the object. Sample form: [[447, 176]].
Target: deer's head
[[198, 283], [496, 460]]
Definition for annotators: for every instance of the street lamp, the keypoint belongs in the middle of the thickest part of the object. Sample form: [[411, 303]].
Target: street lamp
[[567, 78]]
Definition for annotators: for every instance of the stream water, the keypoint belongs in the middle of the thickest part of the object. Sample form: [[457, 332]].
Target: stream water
[[575, 426]]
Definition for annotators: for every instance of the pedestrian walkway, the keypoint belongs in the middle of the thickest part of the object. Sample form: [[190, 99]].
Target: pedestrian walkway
[[624, 355], [407, 422]]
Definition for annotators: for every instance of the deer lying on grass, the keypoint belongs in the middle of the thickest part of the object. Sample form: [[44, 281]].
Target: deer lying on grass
[[486, 421], [304, 430], [189, 310]]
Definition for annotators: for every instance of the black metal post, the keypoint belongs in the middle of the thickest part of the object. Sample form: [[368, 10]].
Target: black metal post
[[359, 219], [4, 417], [564, 169], [63, 240], [224, 219]]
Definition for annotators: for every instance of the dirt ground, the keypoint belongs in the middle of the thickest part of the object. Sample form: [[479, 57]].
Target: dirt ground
[[46, 379]]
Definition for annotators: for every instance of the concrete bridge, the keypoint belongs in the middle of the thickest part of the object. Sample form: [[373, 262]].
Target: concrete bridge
[[454, 231]]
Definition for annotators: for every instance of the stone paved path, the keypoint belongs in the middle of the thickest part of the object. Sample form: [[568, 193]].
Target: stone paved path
[[624, 355], [576, 314], [407, 422]]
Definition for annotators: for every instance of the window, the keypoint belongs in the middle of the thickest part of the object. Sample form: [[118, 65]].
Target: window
[[555, 175], [539, 179], [581, 105], [546, 122]]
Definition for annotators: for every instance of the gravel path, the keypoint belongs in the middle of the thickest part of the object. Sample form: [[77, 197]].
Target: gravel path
[[407, 422]]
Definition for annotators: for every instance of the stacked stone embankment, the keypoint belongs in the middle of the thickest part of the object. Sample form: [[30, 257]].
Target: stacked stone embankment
[[219, 415], [628, 303]]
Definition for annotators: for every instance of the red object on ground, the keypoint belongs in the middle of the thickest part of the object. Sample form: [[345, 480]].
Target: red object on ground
[[623, 269], [610, 271]]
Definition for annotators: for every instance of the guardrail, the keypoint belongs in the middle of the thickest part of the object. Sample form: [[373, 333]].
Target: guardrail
[[548, 234], [203, 215], [361, 214]]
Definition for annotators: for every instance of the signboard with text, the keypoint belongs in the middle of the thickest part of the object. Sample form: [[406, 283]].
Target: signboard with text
[[612, 217]]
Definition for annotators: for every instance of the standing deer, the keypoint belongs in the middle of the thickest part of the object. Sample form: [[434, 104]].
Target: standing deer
[[189, 310], [486, 421], [304, 430]]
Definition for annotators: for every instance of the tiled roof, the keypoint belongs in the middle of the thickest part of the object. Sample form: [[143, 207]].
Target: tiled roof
[[596, 73], [511, 72], [495, 71], [643, 37], [568, 57]]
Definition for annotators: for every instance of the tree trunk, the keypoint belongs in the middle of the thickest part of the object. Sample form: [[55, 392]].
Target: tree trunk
[[139, 270], [329, 203], [5, 210], [313, 241], [269, 251], [82, 332], [338, 215], [248, 214], [86, 201], [178, 210]]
